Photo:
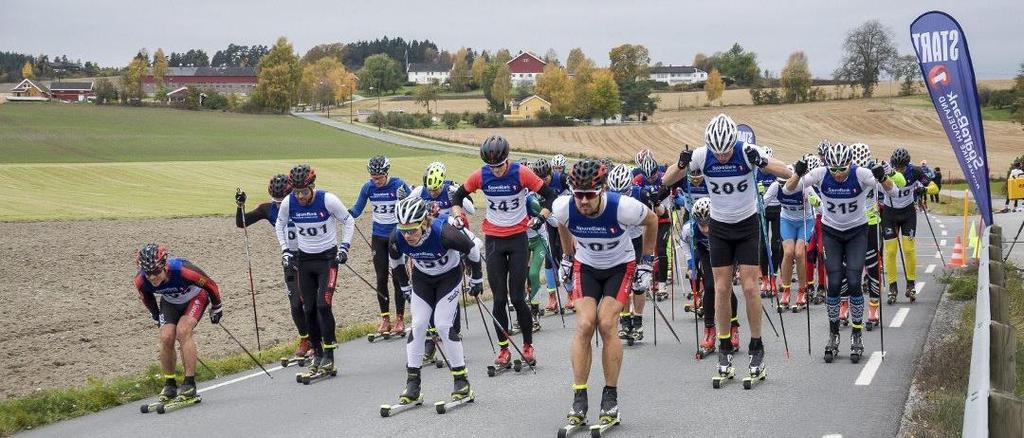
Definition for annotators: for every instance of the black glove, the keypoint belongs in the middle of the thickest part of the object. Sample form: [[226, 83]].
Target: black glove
[[156, 319], [685, 157], [754, 156], [216, 312], [879, 172], [240, 198], [536, 222], [342, 255], [800, 168], [476, 286], [288, 260]]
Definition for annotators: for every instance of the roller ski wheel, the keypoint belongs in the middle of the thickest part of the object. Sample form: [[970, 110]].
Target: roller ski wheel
[[442, 407], [703, 353], [784, 307], [389, 410], [797, 308], [871, 324], [179, 402], [374, 337], [571, 427], [605, 424], [832, 348], [317, 376], [152, 407], [494, 370]]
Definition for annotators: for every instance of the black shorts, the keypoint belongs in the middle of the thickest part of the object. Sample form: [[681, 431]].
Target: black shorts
[[735, 243], [170, 313], [596, 283], [901, 221]]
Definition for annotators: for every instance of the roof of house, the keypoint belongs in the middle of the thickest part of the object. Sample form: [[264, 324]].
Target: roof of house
[[71, 86], [28, 82], [520, 55], [177, 91], [209, 71], [532, 98], [426, 67], [674, 69]]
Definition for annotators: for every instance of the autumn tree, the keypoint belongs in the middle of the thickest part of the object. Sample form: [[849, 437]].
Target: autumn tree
[[460, 75], [604, 95], [582, 78], [702, 62], [551, 57], [737, 63], [629, 62], [555, 86], [160, 68], [26, 71], [279, 77], [577, 59], [381, 72], [796, 78], [327, 81], [333, 50], [868, 51], [714, 86], [477, 71], [427, 93], [132, 78], [502, 56], [501, 90]]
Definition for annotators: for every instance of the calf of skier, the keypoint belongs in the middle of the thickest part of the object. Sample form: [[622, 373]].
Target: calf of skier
[[599, 258], [796, 229], [899, 220], [314, 212], [695, 235], [185, 291]]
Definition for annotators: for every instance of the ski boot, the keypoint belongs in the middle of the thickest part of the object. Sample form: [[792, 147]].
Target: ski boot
[[609, 415], [893, 291], [187, 393], [765, 290], [844, 311], [856, 346], [578, 412], [784, 298], [169, 392], [186, 397], [552, 305], [535, 310], [305, 348], [327, 366], [820, 296], [757, 371], [636, 331], [383, 330], [461, 394], [735, 336], [398, 330], [314, 367], [412, 387], [801, 300], [725, 369], [569, 306], [707, 346], [529, 355], [832, 348], [504, 357], [872, 314], [911, 292], [660, 292], [625, 324]]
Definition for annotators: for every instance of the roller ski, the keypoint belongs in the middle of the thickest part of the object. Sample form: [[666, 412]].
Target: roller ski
[[504, 363], [411, 397], [167, 394], [383, 330], [856, 346], [707, 345], [186, 397], [302, 355], [398, 330], [609, 413], [321, 368], [461, 395], [625, 325], [758, 371], [725, 371], [801, 301], [832, 348], [893, 292], [872, 314], [911, 292], [577, 416], [636, 330]]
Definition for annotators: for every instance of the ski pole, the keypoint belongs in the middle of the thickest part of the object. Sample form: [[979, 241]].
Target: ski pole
[[881, 272], [233, 338], [1014, 243], [771, 268], [507, 337], [486, 329], [363, 236], [807, 310], [437, 346], [664, 318], [206, 366], [252, 287], [379, 294]]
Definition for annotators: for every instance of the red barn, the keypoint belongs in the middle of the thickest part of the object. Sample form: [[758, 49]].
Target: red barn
[[71, 91], [224, 80], [525, 68]]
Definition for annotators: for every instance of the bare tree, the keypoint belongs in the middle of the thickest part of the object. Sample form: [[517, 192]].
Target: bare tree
[[869, 50]]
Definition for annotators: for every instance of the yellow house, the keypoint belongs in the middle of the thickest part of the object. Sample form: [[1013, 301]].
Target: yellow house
[[28, 90], [528, 108]]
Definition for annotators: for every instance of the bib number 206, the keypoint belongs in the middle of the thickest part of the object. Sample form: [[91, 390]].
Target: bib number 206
[[728, 188]]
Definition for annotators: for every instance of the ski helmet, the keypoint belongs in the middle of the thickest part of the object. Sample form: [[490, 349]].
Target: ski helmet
[[641, 155], [768, 151], [861, 154], [302, 176], [494, 150], [558, 161], [378, 165], [900, 157], [411, 210], [541, 167], [434, 177], [279, 186], [152, 257], [649, 167], [813, 162], [619, 179], [823, 146], [702, 210], [839, 155], [587, 175], [720, 134]]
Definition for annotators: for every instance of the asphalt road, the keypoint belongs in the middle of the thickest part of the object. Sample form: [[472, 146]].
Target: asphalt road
[[663, 389]]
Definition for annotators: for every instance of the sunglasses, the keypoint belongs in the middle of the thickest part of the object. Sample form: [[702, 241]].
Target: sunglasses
[[838, 169], [154, 273], [409, 231], [585, 194], [495, 166], [305, 191], [378, 175]]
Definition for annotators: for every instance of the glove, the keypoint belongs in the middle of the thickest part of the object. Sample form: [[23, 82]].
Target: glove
[[240, 198], [216, 312], [887, 167], [407, 291], [342, 255], [456, 221], [476, 286], [156, 319], [685, 157], [565, 269], [288, 260], [644, 273], [401, 193], [800, 168], [814, 200], [536, 222], [754, 156], [878, 170], [760, 188]]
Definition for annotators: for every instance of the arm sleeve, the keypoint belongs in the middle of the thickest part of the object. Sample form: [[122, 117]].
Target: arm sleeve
[[471, 185], [258, 213], [146, 297], [337, 209], [360, 204], [281, 227], [396, 261], [560, 210], [454, 239], [196, 276], [772, 192], [811, 179], [530, 180]]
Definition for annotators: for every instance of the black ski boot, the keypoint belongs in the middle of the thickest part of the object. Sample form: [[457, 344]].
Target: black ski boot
[[170, 391], [757, 370], [625, 325], [412, 387], [188, 390], [856, 346], [893, 291], [578, 412], [832, 348], [461, 388], [725, 368], [535, 310], [636, 328], [911, 292], [609, 405]]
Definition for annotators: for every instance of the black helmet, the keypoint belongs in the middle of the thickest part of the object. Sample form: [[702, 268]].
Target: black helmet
[[494, 150], [302, 176], [378, 165], [152, 257], [900, 157], [587, 175], [279, 186], [541, 167]]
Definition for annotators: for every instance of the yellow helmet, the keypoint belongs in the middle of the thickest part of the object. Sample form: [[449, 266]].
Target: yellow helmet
[[434, 178]]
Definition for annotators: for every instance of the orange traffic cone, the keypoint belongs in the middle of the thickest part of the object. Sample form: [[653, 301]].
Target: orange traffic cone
[[958, 255]]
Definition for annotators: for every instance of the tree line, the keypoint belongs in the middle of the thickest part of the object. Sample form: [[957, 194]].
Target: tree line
[[17, 66]]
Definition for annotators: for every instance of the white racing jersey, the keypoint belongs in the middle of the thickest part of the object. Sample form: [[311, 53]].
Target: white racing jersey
[[795, 206], [731, 185], [842, 203], [315, 231], [602, 241]]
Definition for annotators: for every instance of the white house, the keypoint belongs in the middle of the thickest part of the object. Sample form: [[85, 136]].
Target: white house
[[425, 72], [678, 74]]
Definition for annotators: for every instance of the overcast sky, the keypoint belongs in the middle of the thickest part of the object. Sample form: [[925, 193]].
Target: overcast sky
[[110, 32]]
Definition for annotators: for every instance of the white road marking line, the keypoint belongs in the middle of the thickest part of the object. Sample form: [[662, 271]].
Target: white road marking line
[[919, 287], [929, 269], [238, 379], [942, 242], [945, 233], [901, 315], [942, 225], [938, 255], [868, 373], [833, 435]]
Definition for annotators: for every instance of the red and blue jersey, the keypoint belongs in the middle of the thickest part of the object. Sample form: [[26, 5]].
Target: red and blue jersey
[[505, 198], [184, 282]]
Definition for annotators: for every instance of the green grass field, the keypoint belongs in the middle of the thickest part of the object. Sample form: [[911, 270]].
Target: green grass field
[[104, 179]]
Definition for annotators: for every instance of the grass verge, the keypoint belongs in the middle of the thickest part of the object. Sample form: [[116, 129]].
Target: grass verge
[[52, 405]]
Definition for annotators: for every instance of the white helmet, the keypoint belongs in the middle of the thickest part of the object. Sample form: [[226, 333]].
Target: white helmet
[[411, 210], [861, 154], [813, 162], [768, 152], [620, 179], [702, 210], [839, 155], [720, 134], [823, 147], [642, 154], [558, 161], [649, 167]]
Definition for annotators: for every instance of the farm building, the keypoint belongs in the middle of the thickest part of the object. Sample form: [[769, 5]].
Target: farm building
[[224, 80], [678, 74], [525, 68], [71, 91], [29, 90], [528, 108], [427, 72]]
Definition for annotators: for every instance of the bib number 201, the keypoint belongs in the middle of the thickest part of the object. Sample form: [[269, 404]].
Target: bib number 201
[[312, 231]]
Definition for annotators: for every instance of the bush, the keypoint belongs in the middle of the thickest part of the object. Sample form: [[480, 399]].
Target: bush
[[215, 101], [817, 95], [450, 119], [402, 120], [762, 96], [984, 95], [1002, 98]]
